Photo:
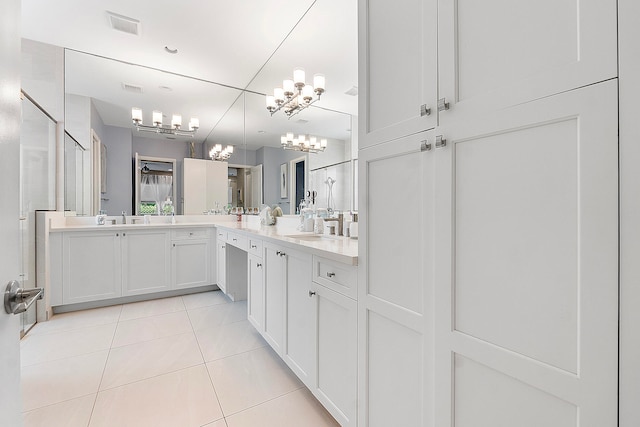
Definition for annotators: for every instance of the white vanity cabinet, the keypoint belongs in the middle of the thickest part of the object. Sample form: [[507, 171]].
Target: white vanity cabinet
[[191, 257], [274, 296], [335, 338], [221, 260], [255, 290], [91, 266], [299, 351], [146, 261]]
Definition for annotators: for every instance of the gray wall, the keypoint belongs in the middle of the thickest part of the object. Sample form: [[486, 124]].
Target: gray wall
[[118, 197], [271, 158]]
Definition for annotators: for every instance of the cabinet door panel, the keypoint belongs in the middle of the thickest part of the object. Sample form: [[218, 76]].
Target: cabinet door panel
[[274, 297], [146, 261], [498, 53], [395, 283], [190, 263], [92, 266], [336, 386], [221, 264], [526, 264], [255, 300], [300, 348], [398, 71]]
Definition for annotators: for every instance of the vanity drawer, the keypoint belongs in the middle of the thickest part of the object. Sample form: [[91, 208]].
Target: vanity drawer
[[221, 235], [334, 275], [238, 240], [189, 233], [255, 247]]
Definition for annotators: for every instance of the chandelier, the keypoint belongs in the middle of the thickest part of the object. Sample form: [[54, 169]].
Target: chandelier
[[312, 144], [174, 129], [294, 95], [219, 153]]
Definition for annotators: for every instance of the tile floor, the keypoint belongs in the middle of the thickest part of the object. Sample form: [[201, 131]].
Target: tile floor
[[185, 361]]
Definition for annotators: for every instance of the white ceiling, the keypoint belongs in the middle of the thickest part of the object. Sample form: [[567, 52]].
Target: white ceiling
[[240, 44]]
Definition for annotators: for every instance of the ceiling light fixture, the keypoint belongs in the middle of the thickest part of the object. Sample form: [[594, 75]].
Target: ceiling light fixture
[[219, 153], [295, 95], [304, 143], [174, 129]]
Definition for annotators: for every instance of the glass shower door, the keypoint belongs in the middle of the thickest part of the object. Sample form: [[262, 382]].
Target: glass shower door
[[37, 188]]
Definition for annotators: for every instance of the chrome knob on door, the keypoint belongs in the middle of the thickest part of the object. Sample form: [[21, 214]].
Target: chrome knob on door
[[311, 293], [18, 300]]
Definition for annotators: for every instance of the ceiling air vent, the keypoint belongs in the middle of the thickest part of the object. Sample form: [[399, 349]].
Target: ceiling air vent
[[131, 88], [124, 23]]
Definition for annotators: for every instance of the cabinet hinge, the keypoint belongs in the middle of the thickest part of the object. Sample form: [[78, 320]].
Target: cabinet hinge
[[424, 111], [440, 142]]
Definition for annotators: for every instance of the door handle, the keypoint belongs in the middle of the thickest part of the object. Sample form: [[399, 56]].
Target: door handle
[[18, 300]]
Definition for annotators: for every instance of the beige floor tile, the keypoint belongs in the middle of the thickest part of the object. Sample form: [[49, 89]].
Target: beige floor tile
[[60, 380], [59, 345], [148, 359], [204, 299], [219, 423], [77, 320], [295, 409], [251, 378], [72, 413], [150, 328], [216, 315], [183, 398], [226, 340], [154, 307]]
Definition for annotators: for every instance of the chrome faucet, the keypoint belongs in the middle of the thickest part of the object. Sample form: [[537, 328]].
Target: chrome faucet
[[339, 221], [124, 217]]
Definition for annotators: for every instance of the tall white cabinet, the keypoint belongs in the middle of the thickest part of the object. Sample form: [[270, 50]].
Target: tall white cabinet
[[493, 301], [205, 183]]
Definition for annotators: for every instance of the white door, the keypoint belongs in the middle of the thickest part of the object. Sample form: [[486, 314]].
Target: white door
[[395, 283], [10, 397], [398, 68], [527, 265], [498, 53]]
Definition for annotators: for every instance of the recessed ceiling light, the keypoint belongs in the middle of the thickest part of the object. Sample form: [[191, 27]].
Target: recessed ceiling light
[[169, 50]]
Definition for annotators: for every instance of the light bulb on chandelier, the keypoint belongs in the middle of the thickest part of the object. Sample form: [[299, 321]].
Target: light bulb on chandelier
[[295, 95], [311, 144], [174, 129], [219, 153]]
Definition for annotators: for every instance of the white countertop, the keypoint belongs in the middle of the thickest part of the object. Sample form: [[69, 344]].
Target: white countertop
[[337, 248]]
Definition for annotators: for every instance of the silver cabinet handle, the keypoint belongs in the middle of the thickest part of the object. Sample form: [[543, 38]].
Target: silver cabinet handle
[[124, 234], [258, 265], [282, 254], [190, 234], [18, 300], [235, 240], [330, 274], [117, 234], [311, 293], [254, 247], [425, 146], [443, 104]]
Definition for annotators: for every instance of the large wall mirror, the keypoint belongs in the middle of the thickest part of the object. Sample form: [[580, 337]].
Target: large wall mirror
[[100, 93]]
